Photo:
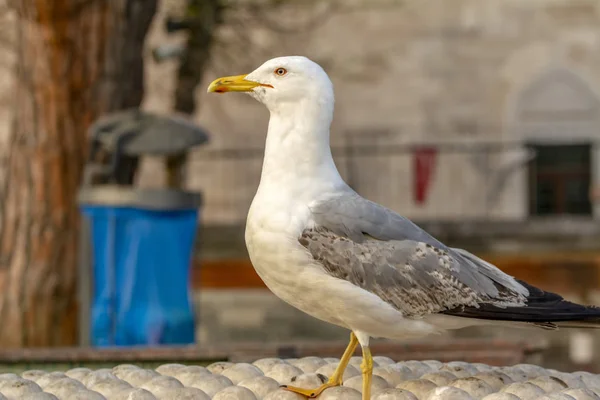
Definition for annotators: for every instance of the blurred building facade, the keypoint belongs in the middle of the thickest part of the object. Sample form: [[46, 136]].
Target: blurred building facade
[[440, 107]]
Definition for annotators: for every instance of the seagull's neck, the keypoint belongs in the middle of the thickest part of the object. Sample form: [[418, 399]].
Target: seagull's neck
[[298, 161]]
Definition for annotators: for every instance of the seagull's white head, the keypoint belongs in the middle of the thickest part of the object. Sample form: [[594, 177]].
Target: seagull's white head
[[298, 165], [281, 82]]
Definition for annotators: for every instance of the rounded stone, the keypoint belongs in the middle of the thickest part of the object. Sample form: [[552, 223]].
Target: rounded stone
[[212, 384], [448, 393], [187, 378], [45, 380], [33, 374], [496, 379], [184, 393], [418, 387], [193, 369], [119, 369], [581, 394], [524, 390], [137, 377], [482, 367], [283, 373], [134, 394], [16, 388], [110, 389], [501, 396], [104, 370], [85, 394], [235, 393], [383, 360], [418, 368], [440, 378], [78, 373], [169, 369], [476, 387], [532, 371], [392, 377], [377, 384], [549, 384], [516, 374], [241, 371], [265, 364], [160, 385], [340, 392], [572, 381], [433, 364], [394, 394], [96, 377], [459, 369], [356, 361], [219, 367], [396, 373], [38, 396], [329, 369], [590, 380], [260, 385], [63, 387], [189, 393], [282, 394], [309, 364], [556, 396]]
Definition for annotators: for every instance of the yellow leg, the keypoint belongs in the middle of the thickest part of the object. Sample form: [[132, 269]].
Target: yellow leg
[[336, 378], [367, 372]]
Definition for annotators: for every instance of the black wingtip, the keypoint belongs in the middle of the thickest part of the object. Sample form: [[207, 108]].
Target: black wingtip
[[543, 309]]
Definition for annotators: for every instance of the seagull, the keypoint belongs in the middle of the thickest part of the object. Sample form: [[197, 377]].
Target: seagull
[[321, 247]]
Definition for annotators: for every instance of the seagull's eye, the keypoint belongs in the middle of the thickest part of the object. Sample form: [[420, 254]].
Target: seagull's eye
[[280, 71]]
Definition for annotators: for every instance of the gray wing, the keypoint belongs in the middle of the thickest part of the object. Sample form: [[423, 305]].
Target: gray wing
[[382, 252]]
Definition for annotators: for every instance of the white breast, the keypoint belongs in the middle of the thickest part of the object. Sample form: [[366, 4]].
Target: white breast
[[272, 229], [286, 267]]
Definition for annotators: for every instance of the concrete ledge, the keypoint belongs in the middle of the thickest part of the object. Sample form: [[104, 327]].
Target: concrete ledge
[[496, 352]]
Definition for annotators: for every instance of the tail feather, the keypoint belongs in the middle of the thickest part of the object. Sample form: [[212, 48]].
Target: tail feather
[[544, 309]]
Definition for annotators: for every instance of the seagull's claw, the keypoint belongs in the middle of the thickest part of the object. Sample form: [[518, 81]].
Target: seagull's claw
[[311, 393]]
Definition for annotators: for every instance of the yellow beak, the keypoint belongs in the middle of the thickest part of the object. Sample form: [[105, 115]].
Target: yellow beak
[[233, 84]]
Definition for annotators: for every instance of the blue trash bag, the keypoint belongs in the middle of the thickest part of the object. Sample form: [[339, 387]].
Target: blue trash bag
[[141, 269]]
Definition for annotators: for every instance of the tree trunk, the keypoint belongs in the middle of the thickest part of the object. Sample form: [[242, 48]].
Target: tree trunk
[[203, 18], [77, 59]]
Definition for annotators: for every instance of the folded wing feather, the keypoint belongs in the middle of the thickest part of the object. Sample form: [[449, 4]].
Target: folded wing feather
[[386, 254]]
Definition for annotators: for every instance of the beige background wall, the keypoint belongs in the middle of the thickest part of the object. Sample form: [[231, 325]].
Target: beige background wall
[[426, 71]]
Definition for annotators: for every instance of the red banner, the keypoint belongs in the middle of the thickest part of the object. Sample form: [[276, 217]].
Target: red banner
[[424, 159]]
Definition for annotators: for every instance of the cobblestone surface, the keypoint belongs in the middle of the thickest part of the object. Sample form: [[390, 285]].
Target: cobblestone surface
[[407, 380]]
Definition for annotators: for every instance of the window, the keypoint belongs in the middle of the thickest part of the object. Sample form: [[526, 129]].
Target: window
[[559, 180]]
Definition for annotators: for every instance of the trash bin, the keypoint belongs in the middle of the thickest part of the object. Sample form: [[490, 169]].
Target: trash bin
[[138, 242], [142, 244]]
